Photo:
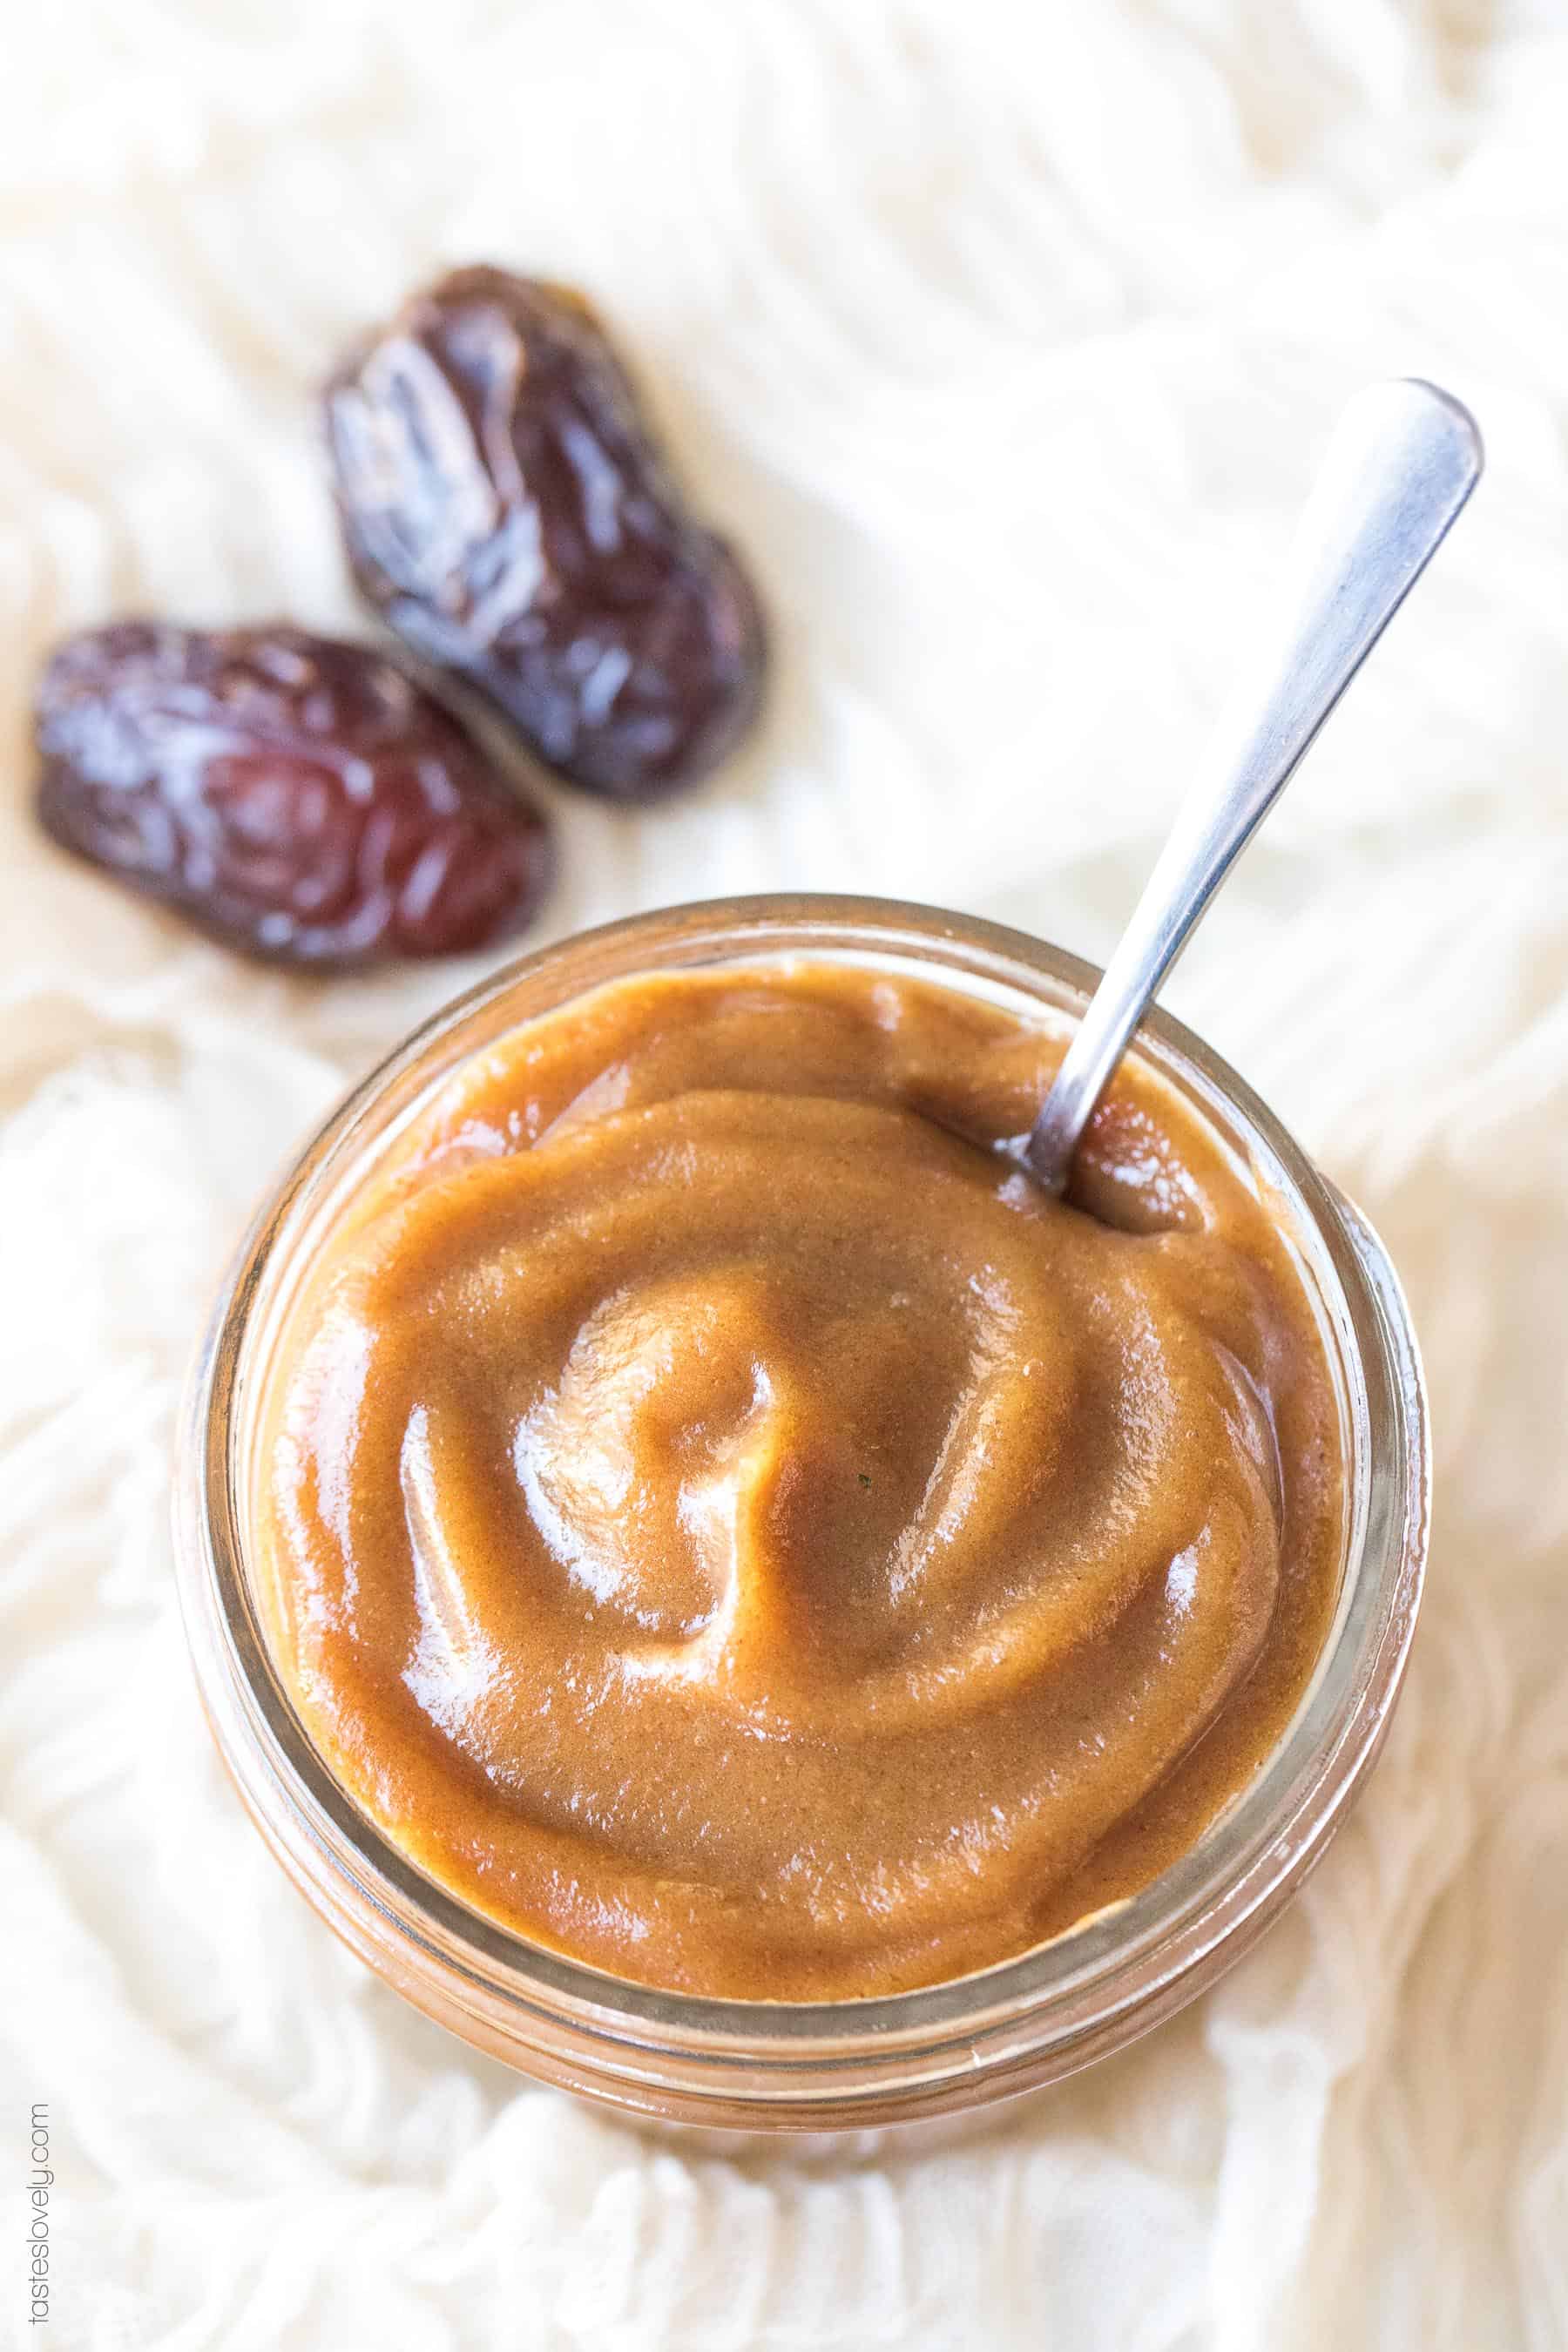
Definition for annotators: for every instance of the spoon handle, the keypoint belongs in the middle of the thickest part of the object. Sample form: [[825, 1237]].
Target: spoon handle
[[1403, 460]]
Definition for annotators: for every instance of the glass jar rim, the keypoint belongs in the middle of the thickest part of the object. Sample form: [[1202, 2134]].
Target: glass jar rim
[[952, 2043]]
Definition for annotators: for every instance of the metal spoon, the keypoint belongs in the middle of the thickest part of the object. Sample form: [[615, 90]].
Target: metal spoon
[[1403, 460]]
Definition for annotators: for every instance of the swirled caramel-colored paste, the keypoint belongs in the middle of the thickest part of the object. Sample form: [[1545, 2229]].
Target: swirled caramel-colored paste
[[720, 1519]]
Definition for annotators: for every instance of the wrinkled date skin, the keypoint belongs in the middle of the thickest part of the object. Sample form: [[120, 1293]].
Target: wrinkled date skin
[[507, 513], [292, 796]]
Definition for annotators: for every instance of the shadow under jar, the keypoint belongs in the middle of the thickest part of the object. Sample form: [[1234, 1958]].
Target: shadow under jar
[[809, 2064]]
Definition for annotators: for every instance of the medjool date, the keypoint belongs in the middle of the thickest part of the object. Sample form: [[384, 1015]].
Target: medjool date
[[506, 510], [293, 796]]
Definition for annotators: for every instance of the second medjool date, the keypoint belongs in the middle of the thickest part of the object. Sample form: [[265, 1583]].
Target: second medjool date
[[294, 796]]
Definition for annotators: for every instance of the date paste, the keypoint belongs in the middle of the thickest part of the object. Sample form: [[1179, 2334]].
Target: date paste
[[721, 1519]]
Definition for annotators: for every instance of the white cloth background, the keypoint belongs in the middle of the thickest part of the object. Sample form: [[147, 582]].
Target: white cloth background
[[1005, 338]]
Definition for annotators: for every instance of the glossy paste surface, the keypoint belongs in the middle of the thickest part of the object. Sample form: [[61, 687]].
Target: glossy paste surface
[[721, 1519]]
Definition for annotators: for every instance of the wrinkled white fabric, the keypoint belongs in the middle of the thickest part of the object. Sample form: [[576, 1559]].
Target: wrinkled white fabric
[[1004, 336]]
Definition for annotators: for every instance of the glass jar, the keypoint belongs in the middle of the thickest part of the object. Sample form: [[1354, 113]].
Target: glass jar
[[831, 2064]]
